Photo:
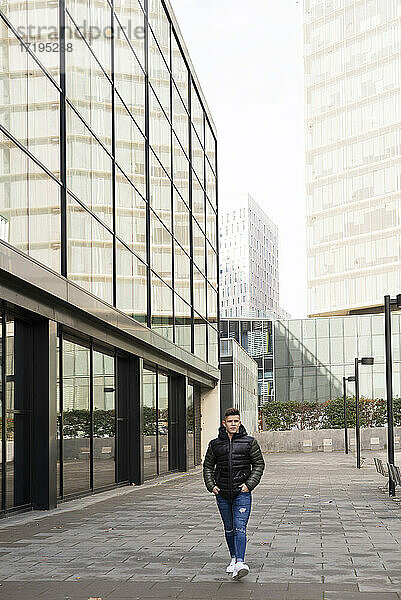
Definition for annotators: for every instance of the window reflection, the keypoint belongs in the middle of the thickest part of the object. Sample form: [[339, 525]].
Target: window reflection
[[162, 308], [149, 423], [190, 426], [131, 284], [182, 323], [163, 423], [33, 227], [104, 420], [76, 418], [130, 215], [199, 338], [90, 252]]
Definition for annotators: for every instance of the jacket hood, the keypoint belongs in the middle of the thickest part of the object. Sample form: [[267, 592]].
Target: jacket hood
[[223, 433]]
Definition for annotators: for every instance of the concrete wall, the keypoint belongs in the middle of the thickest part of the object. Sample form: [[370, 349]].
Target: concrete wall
[[324, 440], [210, 416]]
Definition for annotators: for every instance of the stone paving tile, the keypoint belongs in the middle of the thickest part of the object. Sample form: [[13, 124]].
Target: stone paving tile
[[319, 530]]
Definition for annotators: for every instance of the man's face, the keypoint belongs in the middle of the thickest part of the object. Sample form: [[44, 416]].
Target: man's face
[[232, 423]]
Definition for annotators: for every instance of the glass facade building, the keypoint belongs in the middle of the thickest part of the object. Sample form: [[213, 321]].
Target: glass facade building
[[256, 337], [239, 383], [108, 245], [353, 143], [312, 356]]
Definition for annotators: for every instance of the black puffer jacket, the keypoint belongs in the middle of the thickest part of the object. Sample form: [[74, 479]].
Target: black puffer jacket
[[229, 464]]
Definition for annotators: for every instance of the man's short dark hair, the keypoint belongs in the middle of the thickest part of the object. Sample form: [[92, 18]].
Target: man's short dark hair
[[230, 412]]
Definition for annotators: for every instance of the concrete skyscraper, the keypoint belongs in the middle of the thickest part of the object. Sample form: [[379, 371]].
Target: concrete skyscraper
[[353, 133], [249, 274]]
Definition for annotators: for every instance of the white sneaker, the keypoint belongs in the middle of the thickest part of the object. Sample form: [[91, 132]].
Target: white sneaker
[[240, 570], [231, 566]]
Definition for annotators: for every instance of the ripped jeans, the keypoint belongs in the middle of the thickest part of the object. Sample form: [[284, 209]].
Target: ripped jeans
[[235, 515]]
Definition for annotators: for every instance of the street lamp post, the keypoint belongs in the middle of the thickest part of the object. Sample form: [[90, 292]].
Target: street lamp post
[[367, 360], [345, 415], [388, 302]]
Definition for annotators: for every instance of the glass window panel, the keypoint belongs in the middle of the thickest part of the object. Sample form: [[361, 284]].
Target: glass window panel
[[182, 272], [211, 304], [190, 426], [87, 87], [213, 341], [198, 157], [130, 147], [211, 265], [337, 350], [41, 27], [197, 114], [180, 120], [29, 206], [90, 252], [350, 349], [160, 191], [181, 222], [159, 133], [322, 328], [163, 423], [211, 185], [130, 215], [130, 80], [180, 170], [210, 146], [159, 76], [198, 202], [198, 246], [131, 284], [160, 26], [182, 324], [199, 292], [13, 84], [179, 69], [336, 327], [149, 424], [162, 308], [132, 23], [323, 350], [89, 172], [94, 21], [104, 420], [161, 249], [43, 118], [199, 338], [76, 418], [211, 225]]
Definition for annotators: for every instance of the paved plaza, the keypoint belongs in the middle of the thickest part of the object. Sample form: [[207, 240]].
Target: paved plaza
[[319, 530]]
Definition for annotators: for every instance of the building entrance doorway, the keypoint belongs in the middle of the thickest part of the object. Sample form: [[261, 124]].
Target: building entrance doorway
[[16, 411]]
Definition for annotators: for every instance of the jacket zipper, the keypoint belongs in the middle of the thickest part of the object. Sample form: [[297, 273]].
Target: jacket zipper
[[230, 466]]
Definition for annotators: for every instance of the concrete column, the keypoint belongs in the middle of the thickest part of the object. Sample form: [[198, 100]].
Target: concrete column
[[210, 415]]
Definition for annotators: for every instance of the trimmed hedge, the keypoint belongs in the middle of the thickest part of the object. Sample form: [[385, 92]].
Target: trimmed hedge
[[284, 416]]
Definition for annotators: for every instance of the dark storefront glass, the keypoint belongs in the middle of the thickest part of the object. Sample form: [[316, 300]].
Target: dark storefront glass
[[76, 418], [190, 426], [149, 423], [163, 423], [18, 412], [104, 419], [156, 423]]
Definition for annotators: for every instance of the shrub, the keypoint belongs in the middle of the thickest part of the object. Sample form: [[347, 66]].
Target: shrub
[[284, 416]]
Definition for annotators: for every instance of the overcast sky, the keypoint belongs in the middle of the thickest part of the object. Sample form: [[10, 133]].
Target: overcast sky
[[248, 57]]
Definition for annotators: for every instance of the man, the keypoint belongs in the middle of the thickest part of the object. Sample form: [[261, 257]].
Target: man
[[232, 468]]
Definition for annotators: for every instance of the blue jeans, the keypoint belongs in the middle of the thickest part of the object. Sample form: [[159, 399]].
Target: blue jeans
[[235, 515]]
